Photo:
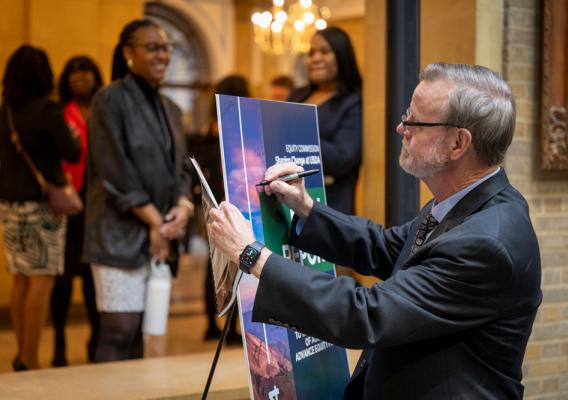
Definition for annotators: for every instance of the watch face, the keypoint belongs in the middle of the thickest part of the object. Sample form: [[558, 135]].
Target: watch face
[[249, 256]]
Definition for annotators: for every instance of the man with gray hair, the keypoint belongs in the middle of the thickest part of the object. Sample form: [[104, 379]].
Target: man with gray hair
[[460, 283]]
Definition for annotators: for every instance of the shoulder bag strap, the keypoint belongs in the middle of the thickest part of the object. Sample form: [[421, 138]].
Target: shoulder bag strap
[[15, 139]]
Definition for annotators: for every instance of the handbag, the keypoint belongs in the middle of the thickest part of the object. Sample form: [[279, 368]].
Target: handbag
[[62, 200]]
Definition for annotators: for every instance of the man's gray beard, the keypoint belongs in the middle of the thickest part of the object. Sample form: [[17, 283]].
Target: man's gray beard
[[426, 171], [433, 164]]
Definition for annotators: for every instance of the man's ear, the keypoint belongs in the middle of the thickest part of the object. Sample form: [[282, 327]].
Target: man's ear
[[462, 141]]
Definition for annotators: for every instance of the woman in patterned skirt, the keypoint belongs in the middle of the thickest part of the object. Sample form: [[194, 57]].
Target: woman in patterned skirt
[[33, 236]]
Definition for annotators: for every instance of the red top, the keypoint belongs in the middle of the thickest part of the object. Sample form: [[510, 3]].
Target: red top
[[78, 125]]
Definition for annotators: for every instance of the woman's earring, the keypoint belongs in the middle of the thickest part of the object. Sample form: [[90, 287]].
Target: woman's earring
[[129, 63]]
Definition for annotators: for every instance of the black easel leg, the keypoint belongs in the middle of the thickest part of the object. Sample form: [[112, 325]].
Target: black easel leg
[[218, 351]]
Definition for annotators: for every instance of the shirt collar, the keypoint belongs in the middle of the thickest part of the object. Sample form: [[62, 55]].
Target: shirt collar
[[441, 209]]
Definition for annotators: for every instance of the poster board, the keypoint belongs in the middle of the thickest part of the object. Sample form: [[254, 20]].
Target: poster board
[[255, 134]]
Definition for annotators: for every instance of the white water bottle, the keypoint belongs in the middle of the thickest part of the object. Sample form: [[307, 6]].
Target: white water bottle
[[157, 298]]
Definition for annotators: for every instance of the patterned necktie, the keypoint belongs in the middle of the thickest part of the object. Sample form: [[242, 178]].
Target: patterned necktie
[[428, 223]]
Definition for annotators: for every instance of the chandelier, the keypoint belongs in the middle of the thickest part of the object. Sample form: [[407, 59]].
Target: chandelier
[[288, 27]]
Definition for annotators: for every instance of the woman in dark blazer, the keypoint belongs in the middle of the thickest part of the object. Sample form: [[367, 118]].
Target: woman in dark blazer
[[137, 204], [335, 87]]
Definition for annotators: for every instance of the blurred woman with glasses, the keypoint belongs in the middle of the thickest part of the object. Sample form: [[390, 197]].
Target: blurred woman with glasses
[[137, 192]]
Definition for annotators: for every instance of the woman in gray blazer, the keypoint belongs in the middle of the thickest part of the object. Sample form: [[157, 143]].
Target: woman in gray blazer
[[137, 204]]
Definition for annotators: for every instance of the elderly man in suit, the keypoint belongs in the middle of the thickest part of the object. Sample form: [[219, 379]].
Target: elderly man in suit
[[461, 282]]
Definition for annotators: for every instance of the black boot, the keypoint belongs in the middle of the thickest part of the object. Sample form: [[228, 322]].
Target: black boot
[[18, 365], [59, 360]]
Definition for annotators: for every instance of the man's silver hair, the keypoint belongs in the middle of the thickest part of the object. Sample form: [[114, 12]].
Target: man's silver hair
[[480, 101]]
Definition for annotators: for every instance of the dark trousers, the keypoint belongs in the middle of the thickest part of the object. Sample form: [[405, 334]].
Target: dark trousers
[[61, 296]]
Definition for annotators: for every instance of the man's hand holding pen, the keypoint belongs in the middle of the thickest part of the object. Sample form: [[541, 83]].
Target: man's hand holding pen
[[292, 193], [230, 232]]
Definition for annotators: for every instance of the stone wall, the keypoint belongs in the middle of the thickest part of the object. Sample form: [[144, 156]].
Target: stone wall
[[546, 361]]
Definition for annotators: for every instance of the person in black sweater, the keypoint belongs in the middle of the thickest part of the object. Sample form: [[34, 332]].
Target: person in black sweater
[[34, 237], [208, 155], [78, 83]]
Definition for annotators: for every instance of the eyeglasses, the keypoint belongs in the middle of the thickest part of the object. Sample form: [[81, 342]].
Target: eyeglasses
[[405, 122], [154, 47]]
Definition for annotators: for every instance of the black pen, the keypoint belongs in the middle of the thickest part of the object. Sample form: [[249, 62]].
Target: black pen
[[286, 178]]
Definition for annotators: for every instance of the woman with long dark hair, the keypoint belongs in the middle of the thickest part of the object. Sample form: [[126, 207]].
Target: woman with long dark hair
[[335, 87], [137, 191], [33, 235], [79, 82]]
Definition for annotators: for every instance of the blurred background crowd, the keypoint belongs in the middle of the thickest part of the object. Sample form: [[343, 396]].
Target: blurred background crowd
[[107, 97], [120, 146]]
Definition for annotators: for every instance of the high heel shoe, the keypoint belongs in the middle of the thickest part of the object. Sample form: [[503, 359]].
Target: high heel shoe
[[18, 365]]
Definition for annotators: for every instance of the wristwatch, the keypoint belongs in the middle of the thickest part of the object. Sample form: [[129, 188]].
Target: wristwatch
[[249, 256]]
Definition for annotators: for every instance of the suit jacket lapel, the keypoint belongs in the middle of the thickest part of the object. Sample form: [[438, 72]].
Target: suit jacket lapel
[[471, 202], [465, 207], [175, 136]]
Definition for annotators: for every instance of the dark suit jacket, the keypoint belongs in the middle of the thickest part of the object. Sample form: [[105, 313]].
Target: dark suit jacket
[[129, 166], [341, 137], [450, 321]]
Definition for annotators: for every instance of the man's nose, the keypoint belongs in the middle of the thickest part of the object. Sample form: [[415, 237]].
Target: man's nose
[[400, 129]]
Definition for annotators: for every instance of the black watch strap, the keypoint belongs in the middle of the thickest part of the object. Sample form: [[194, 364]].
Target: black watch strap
[[250, 254]]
